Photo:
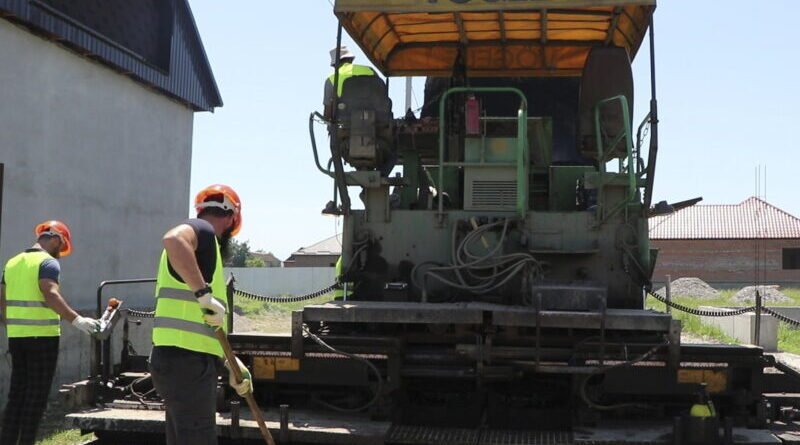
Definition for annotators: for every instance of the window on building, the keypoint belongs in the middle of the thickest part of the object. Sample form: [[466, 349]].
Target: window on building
[[791, 259]]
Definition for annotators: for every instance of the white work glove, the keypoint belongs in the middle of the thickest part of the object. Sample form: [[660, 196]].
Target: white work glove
[[88, 325], [213, 310], [247, 381]]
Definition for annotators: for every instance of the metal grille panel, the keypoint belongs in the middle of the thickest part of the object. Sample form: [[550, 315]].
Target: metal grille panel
[[499, 437], [421, 435], [494, 194]]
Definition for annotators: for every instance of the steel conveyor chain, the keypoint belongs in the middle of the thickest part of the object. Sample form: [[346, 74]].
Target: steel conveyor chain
[[781, 317], [140, 314], [251, 296], [699, 312], [292, 299], [729, 313]]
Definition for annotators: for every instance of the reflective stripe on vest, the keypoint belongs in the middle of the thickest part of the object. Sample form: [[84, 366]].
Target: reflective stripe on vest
[[179, 318], [27, 313], [26, 304], [24, 322], [183, 325], [347, 71]]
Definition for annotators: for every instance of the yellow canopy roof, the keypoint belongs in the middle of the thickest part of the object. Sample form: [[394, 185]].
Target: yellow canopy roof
[[499, 38]]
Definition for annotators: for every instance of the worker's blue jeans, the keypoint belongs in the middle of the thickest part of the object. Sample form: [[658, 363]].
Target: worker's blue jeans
[[187, 382]]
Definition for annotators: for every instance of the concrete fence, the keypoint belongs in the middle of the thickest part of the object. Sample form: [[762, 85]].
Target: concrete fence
[[743, 327], [282, 280]]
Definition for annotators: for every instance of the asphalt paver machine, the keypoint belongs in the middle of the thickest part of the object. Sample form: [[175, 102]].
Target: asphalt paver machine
[[495, 252]]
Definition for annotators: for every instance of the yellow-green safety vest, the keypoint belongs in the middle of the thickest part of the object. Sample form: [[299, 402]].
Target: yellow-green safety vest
[[27, 313], [339, 291], [179, 318], [348, 70], [703, 410]]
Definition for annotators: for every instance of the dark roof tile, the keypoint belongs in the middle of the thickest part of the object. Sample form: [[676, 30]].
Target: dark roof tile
[[155, 42]]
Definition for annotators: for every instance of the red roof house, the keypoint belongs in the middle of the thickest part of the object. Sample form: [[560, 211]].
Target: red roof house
[[728, 245]]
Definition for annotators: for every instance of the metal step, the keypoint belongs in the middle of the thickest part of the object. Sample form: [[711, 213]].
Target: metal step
[[420, 435], [495, 437]]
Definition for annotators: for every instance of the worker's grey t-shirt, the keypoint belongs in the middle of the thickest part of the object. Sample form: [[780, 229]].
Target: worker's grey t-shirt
[[206, 253], [49, 269]]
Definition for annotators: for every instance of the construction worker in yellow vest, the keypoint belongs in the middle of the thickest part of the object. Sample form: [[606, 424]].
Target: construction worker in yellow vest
[[703, 406], [342, 289], [347, 69], [191, 304], [31, 307]]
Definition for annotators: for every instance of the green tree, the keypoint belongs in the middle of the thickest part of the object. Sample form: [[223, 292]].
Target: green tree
[[254, 261], [238, 254]]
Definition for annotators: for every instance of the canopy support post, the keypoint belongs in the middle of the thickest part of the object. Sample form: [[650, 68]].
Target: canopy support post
[[653, 151], [336, 155]]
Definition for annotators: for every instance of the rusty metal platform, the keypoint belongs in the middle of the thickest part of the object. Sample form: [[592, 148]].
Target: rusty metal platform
[[304, 426], [310, 427], [478, 313]]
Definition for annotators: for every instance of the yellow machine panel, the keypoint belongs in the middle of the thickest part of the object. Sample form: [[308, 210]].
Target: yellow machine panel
[[716, 381]]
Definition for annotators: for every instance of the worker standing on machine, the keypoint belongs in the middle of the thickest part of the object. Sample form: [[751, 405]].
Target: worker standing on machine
[[342, 290], [703, 406], [31, 306], [190, 304], [346, 69]]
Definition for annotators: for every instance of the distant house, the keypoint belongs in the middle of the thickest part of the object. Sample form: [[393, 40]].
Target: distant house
[[322, 254], [268, 258], [728, 245]]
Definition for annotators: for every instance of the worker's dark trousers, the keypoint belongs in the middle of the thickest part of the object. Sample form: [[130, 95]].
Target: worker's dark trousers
[[33, 364], [187, 382]]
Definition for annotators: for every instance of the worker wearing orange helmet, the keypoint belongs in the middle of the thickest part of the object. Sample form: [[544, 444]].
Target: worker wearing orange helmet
[[31, 306], [190, 304]]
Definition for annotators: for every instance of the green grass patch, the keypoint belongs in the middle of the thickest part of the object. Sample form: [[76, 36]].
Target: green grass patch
[[65, 437], [691, 323], [788, 339], [247, 307], [794, 294], [727, 295]]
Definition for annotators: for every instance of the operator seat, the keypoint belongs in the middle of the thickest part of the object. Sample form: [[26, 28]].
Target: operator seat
[[365, 116], [607, 73]]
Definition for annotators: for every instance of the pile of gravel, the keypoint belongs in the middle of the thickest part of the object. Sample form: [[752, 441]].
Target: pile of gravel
[[242, 323], [690, 287], [769, 294]]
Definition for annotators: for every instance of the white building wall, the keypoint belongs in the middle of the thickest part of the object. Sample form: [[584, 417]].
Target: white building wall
[[87, 145]]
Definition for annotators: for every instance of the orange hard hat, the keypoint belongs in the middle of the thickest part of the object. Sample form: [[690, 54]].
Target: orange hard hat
[[59, 229], [222, 197]]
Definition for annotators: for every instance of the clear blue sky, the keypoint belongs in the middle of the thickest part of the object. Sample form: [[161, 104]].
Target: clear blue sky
[[728, 76]]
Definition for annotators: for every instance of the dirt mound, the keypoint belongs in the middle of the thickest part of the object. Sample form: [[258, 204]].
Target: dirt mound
[[690, 287], [266, 323], [242, 323], [769, 294]]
